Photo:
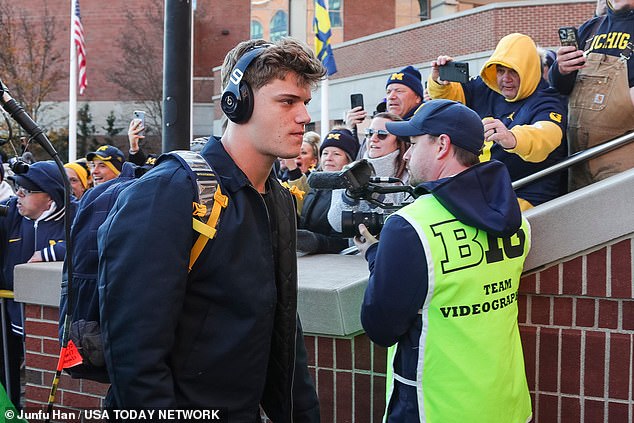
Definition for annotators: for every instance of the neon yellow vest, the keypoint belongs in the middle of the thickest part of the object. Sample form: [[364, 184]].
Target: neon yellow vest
[[470, 361]]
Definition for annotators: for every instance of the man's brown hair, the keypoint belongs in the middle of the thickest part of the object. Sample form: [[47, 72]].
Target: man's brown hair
[[278, 59]]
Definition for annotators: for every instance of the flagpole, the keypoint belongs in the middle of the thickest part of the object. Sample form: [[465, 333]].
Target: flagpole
[[325, 118], [323, 50], [72, 92]]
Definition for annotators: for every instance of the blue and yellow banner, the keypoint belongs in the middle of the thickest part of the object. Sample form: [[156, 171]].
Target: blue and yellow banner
[[321, 28]]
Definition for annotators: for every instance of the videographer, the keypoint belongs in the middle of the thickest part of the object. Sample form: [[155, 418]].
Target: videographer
[[434, 295], [31, 231]]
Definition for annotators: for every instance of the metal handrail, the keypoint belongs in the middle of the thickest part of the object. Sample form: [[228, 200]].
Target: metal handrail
[[577, 158], [5, 293]]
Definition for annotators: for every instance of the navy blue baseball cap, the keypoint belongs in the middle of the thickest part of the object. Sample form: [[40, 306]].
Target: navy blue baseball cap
[[437, 117], [43, 176], [110, 155]]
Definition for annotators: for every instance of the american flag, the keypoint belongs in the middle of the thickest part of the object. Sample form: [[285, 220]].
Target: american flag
[[78, 37]]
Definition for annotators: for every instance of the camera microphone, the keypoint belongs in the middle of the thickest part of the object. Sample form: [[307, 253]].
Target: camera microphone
[[326, 180], [353, 177]]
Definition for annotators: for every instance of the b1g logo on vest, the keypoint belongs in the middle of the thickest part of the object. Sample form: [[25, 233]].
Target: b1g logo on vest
[[463, 249]]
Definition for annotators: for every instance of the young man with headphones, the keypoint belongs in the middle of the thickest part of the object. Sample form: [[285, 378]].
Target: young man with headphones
[[225, 332]]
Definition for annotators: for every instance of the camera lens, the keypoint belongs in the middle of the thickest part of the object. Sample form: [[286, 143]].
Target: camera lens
[[350, 221]]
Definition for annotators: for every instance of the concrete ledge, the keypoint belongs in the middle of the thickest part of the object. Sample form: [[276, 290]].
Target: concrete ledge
[[331, 288], [38, 283], [581, 220]]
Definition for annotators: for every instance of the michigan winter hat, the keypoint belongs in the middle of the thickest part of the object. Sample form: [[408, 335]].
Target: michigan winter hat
[[408, 76], [343, 139], [437, 117], [43, 176], [111, 156], [81, 169]]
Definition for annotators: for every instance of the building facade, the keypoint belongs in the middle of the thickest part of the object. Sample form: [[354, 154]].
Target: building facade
[[370, 38]]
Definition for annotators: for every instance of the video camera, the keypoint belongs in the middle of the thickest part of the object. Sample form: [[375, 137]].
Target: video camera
[[359, 181]]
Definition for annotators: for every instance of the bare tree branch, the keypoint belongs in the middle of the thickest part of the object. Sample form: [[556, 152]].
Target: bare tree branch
[[29, 61], [141, 51]]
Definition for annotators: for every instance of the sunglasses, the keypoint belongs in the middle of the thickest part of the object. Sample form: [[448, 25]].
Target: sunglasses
[[380, 133], [24, 191]]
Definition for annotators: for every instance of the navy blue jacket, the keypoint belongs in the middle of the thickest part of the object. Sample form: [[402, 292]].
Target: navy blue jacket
[[20, 237], [536, 107], [610, 33], [222, 335], [314, 218], [91, 213]]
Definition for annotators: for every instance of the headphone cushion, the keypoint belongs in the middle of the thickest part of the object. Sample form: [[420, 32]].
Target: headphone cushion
[[238, 108]]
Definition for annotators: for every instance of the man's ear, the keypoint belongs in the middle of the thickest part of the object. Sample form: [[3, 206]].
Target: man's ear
[[444, 146]]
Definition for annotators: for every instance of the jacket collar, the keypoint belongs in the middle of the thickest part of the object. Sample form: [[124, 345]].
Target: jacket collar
[[232, 177]]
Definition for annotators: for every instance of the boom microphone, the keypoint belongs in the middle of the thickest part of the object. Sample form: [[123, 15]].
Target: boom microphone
[[353, 177], [24, 120], [327, 180]]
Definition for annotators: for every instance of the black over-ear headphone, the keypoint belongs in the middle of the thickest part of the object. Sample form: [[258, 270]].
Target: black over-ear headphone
[[237, 98]]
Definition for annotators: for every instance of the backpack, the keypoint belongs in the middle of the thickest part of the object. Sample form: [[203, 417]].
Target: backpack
[[83, 352]]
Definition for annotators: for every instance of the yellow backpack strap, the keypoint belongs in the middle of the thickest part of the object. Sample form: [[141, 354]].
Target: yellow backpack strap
[[210, 199], [207, 231]]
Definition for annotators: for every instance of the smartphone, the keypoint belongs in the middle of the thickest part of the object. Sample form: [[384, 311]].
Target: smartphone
[[455, 72], [140, 114], [356, 100], [568, 36]]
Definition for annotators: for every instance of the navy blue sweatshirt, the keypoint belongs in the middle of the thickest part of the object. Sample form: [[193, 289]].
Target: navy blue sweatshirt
[[612, 35]]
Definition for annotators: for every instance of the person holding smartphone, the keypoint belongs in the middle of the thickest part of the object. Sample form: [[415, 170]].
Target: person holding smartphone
[[404, 94], [524, 119], [599, 112], [136, 133]]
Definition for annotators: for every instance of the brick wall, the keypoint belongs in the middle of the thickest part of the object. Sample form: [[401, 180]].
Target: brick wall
[[350, 377], [361, 18], [218, 26], [42, 353], [465, 34], [576, 321], [577, 326]]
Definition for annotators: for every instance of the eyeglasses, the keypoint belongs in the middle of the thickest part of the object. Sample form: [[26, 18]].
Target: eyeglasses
[[23, 191], [380, 133]]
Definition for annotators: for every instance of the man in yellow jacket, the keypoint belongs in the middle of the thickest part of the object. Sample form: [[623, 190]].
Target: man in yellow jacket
[[524, 119]]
